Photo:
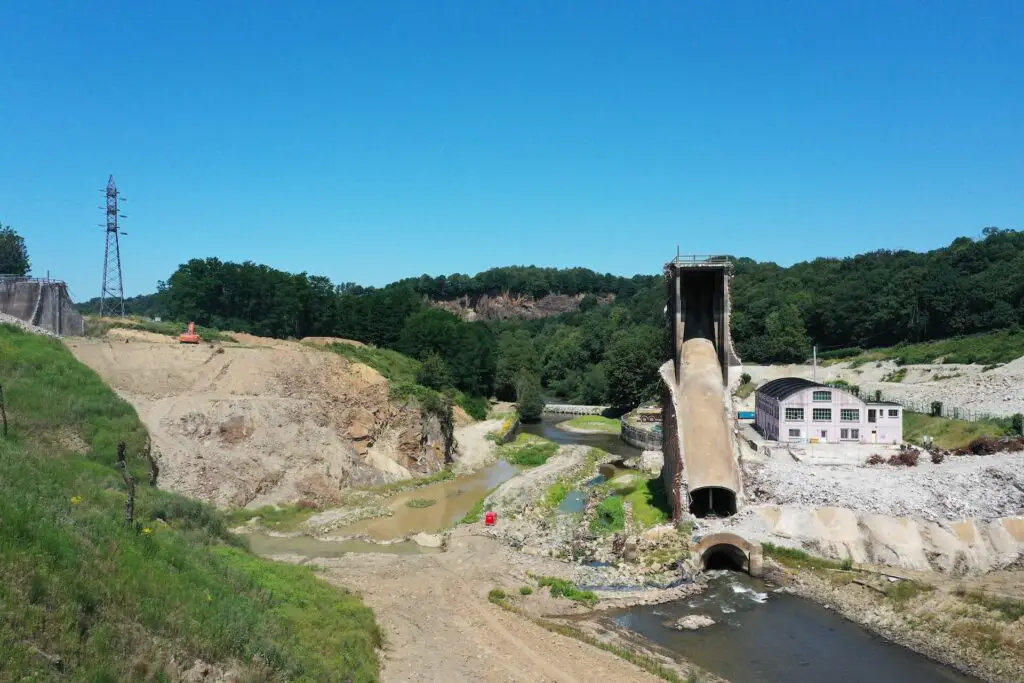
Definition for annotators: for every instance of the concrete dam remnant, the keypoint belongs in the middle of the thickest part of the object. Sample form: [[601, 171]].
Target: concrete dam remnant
[[701, 472], [41, 302]]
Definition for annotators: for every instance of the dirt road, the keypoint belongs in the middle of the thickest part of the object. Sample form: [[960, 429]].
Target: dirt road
[[440, 626]]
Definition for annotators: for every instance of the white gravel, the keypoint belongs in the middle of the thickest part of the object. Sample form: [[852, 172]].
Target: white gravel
[[28, 327], [959, 488]]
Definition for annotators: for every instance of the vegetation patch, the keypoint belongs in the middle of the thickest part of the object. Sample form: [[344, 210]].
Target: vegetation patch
[[528, 450], [525, 590], [746, 389], [896, 376], [650, 503], [948, 433], [904, 591], [497, 596], [501, 434], [278, 517], [420, 502], [990, 348], [595, 423], [561, 588], [408, 484], [114, 601], [799, 559], [1008, 609], [610, 516]]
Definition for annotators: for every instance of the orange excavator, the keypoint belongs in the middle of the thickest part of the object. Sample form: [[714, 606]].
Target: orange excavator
[[190, 337]]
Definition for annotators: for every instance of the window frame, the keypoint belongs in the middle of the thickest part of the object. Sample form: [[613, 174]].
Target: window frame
[[816, 396], [855, 411], [827, 412], [798, 415]]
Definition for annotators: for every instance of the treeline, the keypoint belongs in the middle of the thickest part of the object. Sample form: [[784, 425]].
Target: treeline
[[609, 354], [878, 299]]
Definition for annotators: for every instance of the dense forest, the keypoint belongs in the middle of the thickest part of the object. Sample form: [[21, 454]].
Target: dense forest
[[610, 353]]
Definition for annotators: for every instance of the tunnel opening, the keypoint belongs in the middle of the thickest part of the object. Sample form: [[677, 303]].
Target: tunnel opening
[[698, 291], [725, 556], [712, 501]]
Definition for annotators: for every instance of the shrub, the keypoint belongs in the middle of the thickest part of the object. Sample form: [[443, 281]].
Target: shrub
[[611, 516], [475, 406], [936, 408], [745, 378], [876, 459], [497, 596], [907, 458], [529, 400], [1017, 423], [560, 588], [532, 455], [525, 590], [938, 457], [434, 373]]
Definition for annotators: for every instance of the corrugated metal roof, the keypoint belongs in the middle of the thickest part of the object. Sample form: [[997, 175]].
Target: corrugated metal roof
[[787, 386]]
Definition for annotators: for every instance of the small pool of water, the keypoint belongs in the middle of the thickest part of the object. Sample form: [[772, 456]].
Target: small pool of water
[[765, 637], [452, 500], [548, 428], [262, 544]]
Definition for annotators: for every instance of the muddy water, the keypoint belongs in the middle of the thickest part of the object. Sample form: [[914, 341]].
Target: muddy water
[[262, 544], [453, 499], [766, 637]]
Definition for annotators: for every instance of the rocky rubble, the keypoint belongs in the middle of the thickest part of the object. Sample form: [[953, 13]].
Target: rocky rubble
[[7, 319], [958, 488]]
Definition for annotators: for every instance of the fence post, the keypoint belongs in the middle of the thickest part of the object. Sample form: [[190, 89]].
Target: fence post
[[3, 411], [129, 480]]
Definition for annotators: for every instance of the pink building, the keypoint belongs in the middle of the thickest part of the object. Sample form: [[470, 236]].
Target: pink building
[[798, 410]]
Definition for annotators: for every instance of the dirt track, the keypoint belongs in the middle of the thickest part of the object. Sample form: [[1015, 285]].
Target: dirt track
[[440, 627], [262, 421]]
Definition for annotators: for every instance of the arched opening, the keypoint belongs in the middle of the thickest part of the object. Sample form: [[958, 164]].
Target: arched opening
[[725, 556], [712, 501]]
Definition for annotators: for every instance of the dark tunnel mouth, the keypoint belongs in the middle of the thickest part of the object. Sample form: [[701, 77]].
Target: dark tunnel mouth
[[712, 501], [725, 556]]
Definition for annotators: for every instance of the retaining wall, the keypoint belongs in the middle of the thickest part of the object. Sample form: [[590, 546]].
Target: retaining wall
[[43, 303]]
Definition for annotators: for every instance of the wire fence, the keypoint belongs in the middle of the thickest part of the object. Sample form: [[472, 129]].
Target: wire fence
[[938, 408]]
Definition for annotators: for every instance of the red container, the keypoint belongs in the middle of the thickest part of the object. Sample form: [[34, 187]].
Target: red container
[[490, 518]]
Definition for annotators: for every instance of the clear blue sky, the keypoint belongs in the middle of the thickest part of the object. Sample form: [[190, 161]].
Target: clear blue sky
[[369, 141]]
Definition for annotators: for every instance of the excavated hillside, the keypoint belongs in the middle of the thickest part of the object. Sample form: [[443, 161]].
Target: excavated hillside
[[262, 421], [508, 306]]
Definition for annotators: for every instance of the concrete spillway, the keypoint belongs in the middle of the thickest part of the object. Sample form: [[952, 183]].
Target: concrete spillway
[[701, 472], [41, 302]]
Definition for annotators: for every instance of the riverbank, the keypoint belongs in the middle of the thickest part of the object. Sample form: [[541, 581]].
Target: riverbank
[[976, 633], [591, 424]]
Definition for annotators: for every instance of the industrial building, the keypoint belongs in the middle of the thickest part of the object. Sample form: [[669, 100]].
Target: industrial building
[[796, 410]]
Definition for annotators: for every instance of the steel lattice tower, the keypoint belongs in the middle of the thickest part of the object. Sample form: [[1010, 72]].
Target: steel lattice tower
[[112, 286]]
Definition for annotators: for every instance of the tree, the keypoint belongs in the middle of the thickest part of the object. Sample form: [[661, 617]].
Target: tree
[[785, 339], [13, 253], [632, 360], [529, 401], [434, 373]]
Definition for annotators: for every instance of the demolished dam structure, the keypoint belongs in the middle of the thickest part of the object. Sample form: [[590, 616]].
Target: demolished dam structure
[[701, 471], [41, 302]]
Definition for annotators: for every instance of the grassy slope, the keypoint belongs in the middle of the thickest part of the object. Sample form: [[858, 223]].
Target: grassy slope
[[947, 433], [116, 603], [983, 349]]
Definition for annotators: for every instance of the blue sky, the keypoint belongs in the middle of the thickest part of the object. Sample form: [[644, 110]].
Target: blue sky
[[369, 141]]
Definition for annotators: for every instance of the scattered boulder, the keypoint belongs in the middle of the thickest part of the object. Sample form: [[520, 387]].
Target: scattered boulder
[[428, 540], [692, 622]]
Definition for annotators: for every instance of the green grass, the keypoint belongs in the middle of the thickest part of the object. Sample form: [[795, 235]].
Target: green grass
[[114, 602], [650, 504], [97, 327], [596, 423], [560, 588], [278, 517], [799, 559], [610, 517], [420, 502], [525, 590], [896, 376], [983, 349], [1008, 609], [745, 390], [949, 433], [904, 591], [556, 493], [497, 596], [528, 450]]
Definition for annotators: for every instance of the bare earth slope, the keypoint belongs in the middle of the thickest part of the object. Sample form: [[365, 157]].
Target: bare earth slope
[[260, 422]]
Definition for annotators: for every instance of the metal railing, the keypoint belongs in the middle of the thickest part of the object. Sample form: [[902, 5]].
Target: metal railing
[[682, 259]]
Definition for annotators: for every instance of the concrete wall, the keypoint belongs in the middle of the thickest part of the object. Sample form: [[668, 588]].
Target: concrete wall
[[43, 303]]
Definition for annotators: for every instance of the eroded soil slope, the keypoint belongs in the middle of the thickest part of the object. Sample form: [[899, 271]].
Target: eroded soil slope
[[261, 421]]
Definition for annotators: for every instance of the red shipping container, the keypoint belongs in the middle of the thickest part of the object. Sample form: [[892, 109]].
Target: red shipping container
[[490, 518]]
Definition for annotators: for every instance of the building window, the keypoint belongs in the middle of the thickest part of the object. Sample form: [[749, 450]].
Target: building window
[[822, 395], [844, 433], [794, 414], [794, 433], [894, 413], [822, 414], [855, 434], [849, 415]]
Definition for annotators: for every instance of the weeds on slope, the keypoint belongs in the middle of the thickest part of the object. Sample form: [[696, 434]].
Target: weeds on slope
[[111, 601]]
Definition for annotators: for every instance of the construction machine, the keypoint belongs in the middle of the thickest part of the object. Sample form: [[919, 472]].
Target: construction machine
[[190, 337]]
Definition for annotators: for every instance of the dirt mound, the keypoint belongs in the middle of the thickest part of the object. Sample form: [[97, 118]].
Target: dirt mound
[[326, 341], [129, 335], [264, 421]]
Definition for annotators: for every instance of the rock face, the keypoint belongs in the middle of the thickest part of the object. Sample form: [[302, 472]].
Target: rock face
[[515, 306], [264, 421], [692, 622]]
